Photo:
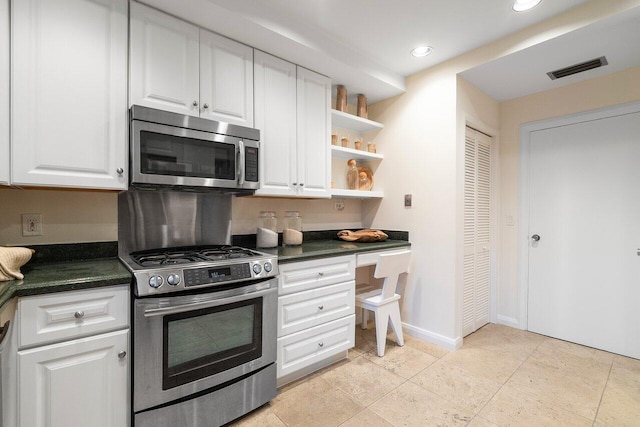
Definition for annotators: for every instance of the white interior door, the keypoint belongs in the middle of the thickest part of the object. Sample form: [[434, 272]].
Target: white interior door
[[477, 231], [584, 271]]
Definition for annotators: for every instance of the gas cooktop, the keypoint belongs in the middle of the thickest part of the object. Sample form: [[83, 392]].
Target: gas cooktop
[[165, 270]]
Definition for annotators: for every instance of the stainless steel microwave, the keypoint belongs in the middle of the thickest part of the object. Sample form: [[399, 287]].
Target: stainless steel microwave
[[178, 151]]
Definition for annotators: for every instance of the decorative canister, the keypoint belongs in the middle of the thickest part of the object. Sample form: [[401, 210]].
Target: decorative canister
[[345, 142], [334, 139], [362, 107], [371, 148], [267, 232], [357, 145], [292, 233], [341, 99]]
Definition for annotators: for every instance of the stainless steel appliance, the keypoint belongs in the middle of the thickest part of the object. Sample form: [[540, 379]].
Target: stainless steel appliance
[[204, 312], [174, 150]]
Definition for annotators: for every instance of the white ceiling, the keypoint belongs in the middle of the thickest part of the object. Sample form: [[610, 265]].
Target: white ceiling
[[365, 44]]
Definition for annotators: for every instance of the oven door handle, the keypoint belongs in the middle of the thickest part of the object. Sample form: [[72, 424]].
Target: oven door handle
[[212, 301]]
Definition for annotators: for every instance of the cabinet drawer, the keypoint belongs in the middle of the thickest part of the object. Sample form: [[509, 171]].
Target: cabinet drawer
[[303, 310], [302, 276], [68, 315], [304, 348]]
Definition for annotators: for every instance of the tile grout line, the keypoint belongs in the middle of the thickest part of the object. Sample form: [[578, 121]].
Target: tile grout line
[[507, 380], [603, 390]]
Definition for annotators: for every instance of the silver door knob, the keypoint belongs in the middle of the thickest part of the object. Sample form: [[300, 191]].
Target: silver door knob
[[295, 183], [79, 314], [195, 103], [205, 106], [320, 344], [122, 354], [321, 273], [535, 237], [301, 185], [119, 171], [321, 307]]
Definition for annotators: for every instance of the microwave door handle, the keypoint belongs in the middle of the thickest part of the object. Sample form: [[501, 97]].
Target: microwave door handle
[[241, 164]]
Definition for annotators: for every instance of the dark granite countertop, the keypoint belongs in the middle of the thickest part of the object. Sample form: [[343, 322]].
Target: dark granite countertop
[[43, 278], [55, 268], [330, 248]]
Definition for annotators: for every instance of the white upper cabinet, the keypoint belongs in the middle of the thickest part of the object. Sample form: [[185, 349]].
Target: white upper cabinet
[[164, 61], [178, 67], [69, 93], [5, 48], [226, 80], [314, 129], [275, 98], [292, 113]]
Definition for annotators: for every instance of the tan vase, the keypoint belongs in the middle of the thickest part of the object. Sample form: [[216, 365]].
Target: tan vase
[[362, 107], [341, 99]]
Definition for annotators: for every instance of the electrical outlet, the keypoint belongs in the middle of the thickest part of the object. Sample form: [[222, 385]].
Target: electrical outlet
[[407, 200], [32, 224], [338, 206]]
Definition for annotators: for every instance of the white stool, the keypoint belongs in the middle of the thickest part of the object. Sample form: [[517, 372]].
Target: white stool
[[384, 302]]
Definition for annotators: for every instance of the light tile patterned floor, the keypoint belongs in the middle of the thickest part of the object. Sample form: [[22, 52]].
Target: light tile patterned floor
[[500, 377]]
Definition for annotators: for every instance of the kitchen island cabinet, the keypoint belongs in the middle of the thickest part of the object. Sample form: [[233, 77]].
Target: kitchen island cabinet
[[292, 113], [69, 93], [179, 67]]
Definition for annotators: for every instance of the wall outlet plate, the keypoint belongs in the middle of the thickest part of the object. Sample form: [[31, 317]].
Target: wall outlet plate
[[32, 224], [407, 200]]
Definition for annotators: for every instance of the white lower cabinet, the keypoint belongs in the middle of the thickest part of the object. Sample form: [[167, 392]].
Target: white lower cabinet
[[316, 320], [73, 359], [82, 382]]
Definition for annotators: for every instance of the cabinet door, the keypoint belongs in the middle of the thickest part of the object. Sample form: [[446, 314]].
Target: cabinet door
[[75, 383], [275, 100], [314, 128], [4, 91], [164, 62], [226, 80], [69, 93]]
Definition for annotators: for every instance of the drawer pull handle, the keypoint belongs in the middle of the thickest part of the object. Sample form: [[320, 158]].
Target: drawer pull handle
[[321, 307], [320, 344], [79, 314], [321, 274], [122, 354]]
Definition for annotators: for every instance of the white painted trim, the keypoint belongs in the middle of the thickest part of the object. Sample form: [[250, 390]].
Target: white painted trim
[[508, 321], [432, 337], [479, 125], [524, 188]]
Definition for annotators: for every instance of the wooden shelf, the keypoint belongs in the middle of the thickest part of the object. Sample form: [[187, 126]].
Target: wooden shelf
[[350, 153], [354, 123], [338, 193]]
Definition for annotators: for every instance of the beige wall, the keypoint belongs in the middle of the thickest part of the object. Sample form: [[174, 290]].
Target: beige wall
[[423, 141], [92, 216], [613, 89]]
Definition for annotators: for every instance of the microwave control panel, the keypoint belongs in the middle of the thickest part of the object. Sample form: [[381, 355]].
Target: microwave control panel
[[251, 164]]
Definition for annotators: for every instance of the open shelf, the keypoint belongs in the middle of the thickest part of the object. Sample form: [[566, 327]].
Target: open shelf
[[354, 123], [355, 194], [350, 153]]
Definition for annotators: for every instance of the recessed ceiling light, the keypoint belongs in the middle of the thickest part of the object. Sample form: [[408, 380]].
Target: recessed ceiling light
[[422, 51], [524, 5]]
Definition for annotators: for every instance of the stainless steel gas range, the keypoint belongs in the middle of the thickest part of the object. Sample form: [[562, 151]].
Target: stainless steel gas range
[[203, 312]]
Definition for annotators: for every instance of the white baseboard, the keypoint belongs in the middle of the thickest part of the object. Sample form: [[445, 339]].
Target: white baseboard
[[446, 342], [508, 321]]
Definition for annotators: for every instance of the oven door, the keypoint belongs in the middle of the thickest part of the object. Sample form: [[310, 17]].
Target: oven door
[[173, 156], [188, 344]]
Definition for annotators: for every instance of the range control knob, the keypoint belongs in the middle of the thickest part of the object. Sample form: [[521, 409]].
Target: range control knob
[[257, 268], [173, 279], [156, 281], [268, 267]]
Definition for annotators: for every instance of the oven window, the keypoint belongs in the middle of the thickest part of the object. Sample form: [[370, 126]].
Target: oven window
[[204, 342], [162, 154]]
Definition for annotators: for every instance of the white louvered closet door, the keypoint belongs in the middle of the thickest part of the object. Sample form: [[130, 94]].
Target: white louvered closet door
[[477, 231]]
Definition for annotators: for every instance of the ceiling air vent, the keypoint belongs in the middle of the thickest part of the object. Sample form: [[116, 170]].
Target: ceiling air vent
[[578, 68]]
